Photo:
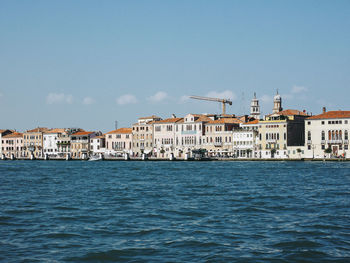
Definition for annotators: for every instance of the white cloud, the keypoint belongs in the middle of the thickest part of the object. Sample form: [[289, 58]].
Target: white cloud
[[53, 98], [298, 89], [184, 98], [227, 94], [88, 101], [126, 99], [159, 96], [266, 98]]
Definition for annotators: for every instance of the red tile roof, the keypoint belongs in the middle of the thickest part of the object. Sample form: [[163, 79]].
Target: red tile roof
[[13, 135], [121, 130], [292, 112], [170, 120], [331, 115], [56, 130], [39, 129], [252, 122], [82, 133], [226, 120]]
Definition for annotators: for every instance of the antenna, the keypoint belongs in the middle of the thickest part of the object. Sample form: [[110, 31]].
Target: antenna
[[116, 125]]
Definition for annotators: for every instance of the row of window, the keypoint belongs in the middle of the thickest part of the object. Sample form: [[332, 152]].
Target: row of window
[[332, 135]]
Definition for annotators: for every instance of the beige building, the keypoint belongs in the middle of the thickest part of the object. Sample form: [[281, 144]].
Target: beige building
[[142, 135], [119, 141], [279, 131], [218, 140], [164, 137], [13, 145], [33, 143], [190, 133], [80, 144], [327, 130]]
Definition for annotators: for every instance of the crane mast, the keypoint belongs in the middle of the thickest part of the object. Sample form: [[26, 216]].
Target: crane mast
[[223, 101]]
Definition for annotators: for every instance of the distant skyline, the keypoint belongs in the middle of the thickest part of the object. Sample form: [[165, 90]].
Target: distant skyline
[[89, 63]]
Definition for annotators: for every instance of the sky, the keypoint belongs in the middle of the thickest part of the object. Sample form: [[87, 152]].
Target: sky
[[88, 63]]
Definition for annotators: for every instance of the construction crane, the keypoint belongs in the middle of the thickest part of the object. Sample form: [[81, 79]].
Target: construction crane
[[223, 101]]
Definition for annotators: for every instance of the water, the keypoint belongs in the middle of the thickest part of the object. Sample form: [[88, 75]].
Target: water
[[174, 211]]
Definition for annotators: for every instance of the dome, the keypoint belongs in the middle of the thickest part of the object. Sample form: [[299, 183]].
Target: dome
[[277, 97]]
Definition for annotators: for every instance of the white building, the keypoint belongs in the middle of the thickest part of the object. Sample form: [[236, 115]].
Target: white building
[[50, 141], [327, 130], [3, 133], [245, 143], [189, 134], [98, 145]]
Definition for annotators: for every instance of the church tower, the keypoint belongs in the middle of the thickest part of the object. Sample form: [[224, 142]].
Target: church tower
[[277, 103], [255, 108]]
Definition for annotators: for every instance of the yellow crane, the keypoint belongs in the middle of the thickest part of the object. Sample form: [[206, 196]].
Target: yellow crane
[[223, 101]]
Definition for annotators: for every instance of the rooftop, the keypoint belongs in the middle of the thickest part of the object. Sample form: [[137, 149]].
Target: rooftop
[[82, 133], [331, 115], [39, 129], [121, 130], [56, 130], [13, 135], [169, 120]]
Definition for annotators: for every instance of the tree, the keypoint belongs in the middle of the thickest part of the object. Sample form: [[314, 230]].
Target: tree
[[273, 151], [328, 150]]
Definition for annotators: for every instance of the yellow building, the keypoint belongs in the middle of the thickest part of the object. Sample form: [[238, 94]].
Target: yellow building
[[33, 143]]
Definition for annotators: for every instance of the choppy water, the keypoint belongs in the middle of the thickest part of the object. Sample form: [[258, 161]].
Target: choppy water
[[174, 211]]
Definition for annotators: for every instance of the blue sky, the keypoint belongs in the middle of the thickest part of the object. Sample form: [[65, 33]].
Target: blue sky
[[89, 63]]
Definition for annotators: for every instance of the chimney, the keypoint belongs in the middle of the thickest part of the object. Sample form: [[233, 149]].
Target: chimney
[[173, 116], [324, 110]]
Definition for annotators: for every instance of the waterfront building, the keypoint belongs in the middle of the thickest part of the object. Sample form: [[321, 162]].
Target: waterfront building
[[98, 145], [327, 130], [50, 142], [190, 132], [164, 137], [119, 141], [142, 135], [255, 108], [3, 133], [245, 143], [13, 145], [80, 144], [33, 142], [279, 131], [218, 140]]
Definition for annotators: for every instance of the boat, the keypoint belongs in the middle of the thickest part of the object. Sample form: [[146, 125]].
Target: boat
[[95, 158]]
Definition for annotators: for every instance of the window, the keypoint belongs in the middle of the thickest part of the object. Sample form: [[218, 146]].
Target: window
[[309, 135], [309, 123], [309, 147], [322, 146], [322, 122], [322, 136]]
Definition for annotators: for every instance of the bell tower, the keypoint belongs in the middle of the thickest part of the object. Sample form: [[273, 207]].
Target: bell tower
[[277, 103], [255, 108]]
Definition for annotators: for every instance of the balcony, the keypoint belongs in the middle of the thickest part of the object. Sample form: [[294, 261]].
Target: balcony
[[323, 141], [346, 141], [335, 141], [271, 140], [309, 142], [189, 132], [218, 144]]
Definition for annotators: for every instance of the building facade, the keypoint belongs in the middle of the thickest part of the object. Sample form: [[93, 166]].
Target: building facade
[[119, 141], [142, 136], [80, 144], [98, 145], [329, 130], [3, 133], [164, 137], [280, 130], [13, 145], [33, 143]]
